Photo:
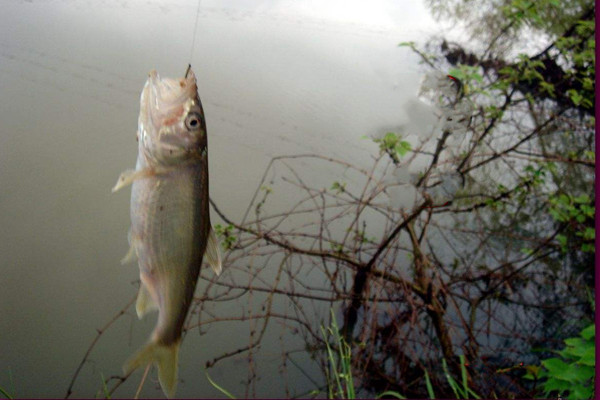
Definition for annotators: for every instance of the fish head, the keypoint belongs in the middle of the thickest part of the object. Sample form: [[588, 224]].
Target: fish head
[[171, 126]]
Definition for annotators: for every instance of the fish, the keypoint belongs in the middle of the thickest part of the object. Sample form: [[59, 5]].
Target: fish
[[170, 220]]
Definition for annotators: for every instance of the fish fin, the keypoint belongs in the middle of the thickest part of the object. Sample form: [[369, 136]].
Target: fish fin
[[213, 255], [164, 357], [127, 177], [145, 303], [131, 255]]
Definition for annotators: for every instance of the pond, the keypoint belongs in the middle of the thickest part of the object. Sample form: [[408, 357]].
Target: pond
[[275, 78]]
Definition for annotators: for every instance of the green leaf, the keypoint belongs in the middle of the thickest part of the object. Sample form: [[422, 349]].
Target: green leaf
[[567, 372], [589, 358], [588, 210], [529, 376], [548, 88], [554, 365], [527, 251], [339, 187], [589, 332], [405, 44], [556, 384], [582, 372], [562, 240], [578, 346], [533, 371], [588, 248], [557, 214], [457, 73], [581, 392], [584, 198], [589, 233], [575, 97], [564, 199], [403, 147]]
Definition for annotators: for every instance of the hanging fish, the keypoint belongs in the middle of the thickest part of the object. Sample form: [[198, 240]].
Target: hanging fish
[[170, 221]]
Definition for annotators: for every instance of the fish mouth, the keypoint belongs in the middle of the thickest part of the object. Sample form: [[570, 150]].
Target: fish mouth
[[164, 99], [169, 91]]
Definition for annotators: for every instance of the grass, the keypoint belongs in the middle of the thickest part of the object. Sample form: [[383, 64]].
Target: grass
[[340, 382], [104, 387], [461, 391], [219, 388], [3, 392]]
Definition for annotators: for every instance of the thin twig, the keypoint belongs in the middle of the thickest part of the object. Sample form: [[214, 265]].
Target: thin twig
[[139, 389], [93, 344]]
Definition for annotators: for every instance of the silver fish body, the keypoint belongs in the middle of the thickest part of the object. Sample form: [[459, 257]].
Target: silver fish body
[[170, 220]]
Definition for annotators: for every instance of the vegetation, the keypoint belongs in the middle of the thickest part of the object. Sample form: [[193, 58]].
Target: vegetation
[[570, 375], [5, 393], [340, 381], [469, 254]]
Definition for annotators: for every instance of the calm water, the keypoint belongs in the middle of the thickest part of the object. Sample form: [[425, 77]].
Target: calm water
[[275, 78]]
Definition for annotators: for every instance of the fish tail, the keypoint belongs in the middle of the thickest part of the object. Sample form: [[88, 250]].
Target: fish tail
[[164, 357]]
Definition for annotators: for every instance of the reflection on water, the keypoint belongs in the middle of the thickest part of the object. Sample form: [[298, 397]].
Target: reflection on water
[[275, 77]]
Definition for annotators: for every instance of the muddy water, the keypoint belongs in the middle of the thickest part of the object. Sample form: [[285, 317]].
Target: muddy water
[[275, 78]]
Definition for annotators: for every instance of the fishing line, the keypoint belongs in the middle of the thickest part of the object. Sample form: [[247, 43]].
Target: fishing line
[[195, 30]]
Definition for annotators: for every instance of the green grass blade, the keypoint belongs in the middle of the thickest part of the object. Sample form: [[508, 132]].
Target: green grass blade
[[334, 331], [12, 385], [345, 353], [219, 388], [473, 394], [450, 379], [391, 393], [3, 393], [429, 386], [463, 371], [104, 387], [346, 359], [333, 363], [340, 363]]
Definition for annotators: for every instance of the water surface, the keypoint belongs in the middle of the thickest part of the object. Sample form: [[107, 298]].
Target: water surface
[[275, 77]]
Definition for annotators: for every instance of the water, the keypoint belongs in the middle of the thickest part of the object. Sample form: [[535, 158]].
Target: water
[[275, 78]]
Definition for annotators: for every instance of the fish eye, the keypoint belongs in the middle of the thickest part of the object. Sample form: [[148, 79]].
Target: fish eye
[[193, 121]]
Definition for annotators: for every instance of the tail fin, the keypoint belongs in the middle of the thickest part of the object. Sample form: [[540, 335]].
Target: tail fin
[[165, 357]]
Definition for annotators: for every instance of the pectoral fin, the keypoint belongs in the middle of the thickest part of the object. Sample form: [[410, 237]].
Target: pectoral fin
[[126, 178], [144, 303], [213, 255], [129, 176]]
